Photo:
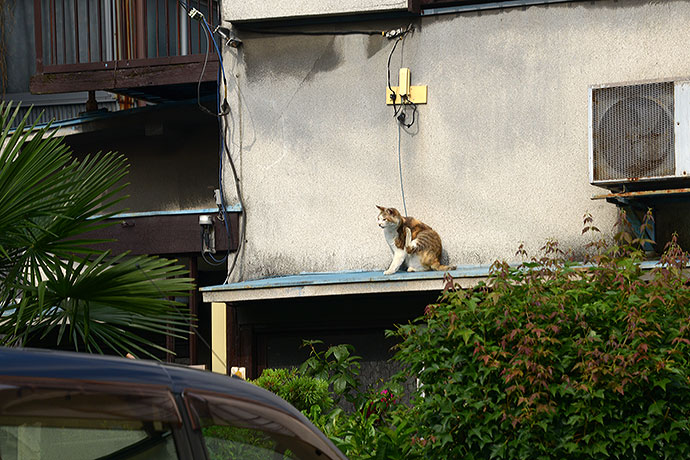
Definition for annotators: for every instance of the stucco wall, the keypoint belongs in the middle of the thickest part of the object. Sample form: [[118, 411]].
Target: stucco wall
[[497, 156], [241, 10]]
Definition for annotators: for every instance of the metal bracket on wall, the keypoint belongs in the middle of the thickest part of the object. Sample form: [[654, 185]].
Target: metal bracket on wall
[[404, 92]]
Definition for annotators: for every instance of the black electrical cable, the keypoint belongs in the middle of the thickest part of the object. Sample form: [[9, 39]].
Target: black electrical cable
[[399, 111], [407, 101], [201, 77], [221, 109], [393, 95], [238, 190], [224, 145]]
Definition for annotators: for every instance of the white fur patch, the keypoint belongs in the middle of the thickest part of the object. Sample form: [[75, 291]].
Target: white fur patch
[[412, 261]]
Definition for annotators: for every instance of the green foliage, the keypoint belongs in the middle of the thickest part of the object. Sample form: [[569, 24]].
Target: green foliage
[[546, 360], [338, 366], [51, 278], [229, 442], [377, 425], [308, 394], [555, 360]]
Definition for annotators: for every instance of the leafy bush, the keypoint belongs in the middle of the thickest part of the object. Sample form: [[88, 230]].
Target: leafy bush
[[376, 424], [338, 366], [548, 359], [307, 394], [556, 360]]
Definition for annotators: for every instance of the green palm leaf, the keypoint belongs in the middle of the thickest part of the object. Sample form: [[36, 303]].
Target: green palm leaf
[[51, 278]]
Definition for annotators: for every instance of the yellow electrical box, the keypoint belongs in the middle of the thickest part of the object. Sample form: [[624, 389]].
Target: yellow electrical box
[[404, 79], [415, 94]]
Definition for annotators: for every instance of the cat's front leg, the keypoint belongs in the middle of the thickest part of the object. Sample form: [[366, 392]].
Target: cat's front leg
[[398, 259], [410, 244]]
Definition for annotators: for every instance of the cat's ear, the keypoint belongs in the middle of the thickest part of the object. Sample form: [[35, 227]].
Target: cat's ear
[[381, 208]]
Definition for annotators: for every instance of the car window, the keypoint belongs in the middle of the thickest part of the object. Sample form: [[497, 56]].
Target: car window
[[33, 440], [64, 420], [230, 442], [242, 429]]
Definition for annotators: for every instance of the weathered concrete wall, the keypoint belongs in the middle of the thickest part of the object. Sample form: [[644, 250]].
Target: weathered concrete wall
[[497, 157], [239, 10]]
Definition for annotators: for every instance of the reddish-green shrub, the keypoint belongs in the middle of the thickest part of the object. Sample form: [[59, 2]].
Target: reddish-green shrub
[[552, 359]]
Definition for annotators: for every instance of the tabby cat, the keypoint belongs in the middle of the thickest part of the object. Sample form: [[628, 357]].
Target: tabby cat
[[411, 241]]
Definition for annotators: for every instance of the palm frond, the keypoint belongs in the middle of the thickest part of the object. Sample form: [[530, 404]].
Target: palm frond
[[51, 279]]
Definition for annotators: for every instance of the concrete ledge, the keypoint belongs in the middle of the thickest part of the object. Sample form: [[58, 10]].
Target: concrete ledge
[[340, 283]]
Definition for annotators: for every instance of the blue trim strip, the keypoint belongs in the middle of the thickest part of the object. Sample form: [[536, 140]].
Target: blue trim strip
[[129, 215], [315, 279], [180, 212]]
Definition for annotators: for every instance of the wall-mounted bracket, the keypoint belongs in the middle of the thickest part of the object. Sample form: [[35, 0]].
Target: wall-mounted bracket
[[404, 92]]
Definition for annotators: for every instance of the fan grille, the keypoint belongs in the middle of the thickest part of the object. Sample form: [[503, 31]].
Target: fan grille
[[633, 135]]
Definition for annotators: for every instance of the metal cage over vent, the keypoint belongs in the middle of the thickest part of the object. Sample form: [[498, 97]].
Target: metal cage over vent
[[633, 132]]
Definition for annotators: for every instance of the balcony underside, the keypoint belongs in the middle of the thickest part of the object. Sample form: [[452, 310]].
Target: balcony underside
[[149, 81]]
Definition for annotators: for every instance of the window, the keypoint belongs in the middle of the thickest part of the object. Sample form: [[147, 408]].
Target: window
[[60, 420], [33, 439], [224, 442], [243, 429]]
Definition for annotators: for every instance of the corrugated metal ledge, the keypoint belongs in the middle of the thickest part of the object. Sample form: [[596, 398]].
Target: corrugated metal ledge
[[341, 283], [350, 283]]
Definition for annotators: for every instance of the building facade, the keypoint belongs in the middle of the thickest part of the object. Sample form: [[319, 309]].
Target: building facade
[[130, 76], [497, 156]]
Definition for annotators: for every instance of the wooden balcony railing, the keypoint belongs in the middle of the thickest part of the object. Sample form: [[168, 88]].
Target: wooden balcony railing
[[107, 42]]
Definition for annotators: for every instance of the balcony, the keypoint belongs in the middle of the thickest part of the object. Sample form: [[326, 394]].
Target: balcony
[[148, 49]]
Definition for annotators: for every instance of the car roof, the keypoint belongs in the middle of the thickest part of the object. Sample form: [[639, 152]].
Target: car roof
[[41, 363], [26, 364]]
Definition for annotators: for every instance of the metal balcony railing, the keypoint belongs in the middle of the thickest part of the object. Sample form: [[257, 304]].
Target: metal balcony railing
[[83, 35]]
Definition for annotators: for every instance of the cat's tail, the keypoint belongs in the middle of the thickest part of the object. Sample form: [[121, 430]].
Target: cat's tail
[[442, 268]]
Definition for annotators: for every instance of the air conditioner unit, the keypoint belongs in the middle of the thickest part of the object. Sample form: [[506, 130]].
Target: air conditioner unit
[[639, 133]]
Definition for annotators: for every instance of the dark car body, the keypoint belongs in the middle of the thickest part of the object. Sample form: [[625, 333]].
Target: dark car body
[[62, 405]]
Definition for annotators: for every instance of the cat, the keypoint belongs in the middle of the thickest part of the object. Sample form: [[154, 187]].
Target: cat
[[411, 241]]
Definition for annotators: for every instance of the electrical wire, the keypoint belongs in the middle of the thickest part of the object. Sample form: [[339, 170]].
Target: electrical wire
[[393, 95], [399, 112], [402, 188], [238, 191], [201, 77], [223, 145], [407, 101], [208, 257], [236, 180]]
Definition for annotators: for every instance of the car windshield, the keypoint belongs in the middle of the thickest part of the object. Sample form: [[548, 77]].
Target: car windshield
[[55, 420], [240, 429]]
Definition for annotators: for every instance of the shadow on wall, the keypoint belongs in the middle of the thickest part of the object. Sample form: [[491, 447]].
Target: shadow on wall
[[290, 55]]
